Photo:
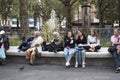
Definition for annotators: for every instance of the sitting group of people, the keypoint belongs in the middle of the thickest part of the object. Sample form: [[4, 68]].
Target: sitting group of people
[[72, 44], [83, 43], [34, 44]]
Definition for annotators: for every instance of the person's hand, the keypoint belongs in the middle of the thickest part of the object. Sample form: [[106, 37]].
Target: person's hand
[[77, 36], [32, 46], [47, 43], [116, 43], [68, 47], [92, 46]]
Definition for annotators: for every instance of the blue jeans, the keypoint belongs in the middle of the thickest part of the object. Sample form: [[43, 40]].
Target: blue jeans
[[79, 53], [69, 53], [116, 57]]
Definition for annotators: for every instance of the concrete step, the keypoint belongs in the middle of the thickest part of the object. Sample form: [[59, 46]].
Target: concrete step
[[13, 56], [61, 61]]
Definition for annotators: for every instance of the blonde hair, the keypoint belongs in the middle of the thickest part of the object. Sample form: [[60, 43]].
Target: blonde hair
[[56, 33], [37, 33]]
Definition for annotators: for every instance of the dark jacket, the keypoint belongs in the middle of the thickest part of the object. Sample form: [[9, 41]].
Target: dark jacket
[[81, 41], [69, 42], [5, 42]]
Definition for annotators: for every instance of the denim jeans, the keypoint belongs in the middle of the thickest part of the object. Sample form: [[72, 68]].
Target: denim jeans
[[69, 53], [79, 53], [116, 57]]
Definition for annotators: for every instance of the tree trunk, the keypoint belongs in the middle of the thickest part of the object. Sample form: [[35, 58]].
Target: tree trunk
[[101, 23], [24, 28], [68, 17], [100, 12]]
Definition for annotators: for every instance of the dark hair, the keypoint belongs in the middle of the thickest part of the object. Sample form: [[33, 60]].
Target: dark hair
[[24, 38], [81, 32], [66, 36]]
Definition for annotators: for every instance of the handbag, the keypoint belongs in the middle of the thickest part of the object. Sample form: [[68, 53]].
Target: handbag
[[112, 48], [37, 52]]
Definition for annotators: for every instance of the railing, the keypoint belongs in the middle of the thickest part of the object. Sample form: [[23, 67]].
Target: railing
[[104, 34]]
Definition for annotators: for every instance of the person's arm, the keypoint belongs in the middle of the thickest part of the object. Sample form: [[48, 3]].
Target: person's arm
[[65, 42], [88, 40], [113, 41], [97, 43], [77, 41], [5, 39]]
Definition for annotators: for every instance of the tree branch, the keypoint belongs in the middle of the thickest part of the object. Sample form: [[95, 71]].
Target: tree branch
[[63, 1], [105, 6], [72, 2]]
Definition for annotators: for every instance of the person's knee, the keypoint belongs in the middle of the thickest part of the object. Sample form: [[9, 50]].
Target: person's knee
[[33, 54], [66, 51], [83, 51]]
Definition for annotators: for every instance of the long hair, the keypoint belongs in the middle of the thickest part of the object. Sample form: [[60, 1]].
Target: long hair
[[81, 30], [95, 33], [66, 35]]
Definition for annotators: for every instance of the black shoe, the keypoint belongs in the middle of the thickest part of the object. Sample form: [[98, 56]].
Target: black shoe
[[19, 50], [30, 64]]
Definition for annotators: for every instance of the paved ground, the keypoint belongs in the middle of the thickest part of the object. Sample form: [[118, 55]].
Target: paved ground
[[56, 72]]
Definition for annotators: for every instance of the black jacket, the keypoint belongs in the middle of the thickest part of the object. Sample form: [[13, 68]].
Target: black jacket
[[6, 42], [69, 42], [81, 41]]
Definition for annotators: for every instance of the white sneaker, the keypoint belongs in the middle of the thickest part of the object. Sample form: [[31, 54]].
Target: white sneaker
[[76, 65], [67, 64], [83, 65]]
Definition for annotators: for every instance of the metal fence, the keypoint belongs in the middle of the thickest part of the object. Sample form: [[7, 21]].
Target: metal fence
[[104, 34]]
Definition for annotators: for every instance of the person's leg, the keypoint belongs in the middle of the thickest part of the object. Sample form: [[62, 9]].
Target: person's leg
[[24, 48], [66, 52], [28, 53], [71, 53], [83, 59], [97, 48], [76, 56], [22, 44], [116, 59], [88, 48], [32, 57]]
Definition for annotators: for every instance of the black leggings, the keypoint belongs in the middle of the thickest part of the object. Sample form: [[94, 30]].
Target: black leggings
[[96, 48]]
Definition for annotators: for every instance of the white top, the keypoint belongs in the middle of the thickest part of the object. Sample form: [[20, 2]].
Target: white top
[[93, 40], [38, 40]]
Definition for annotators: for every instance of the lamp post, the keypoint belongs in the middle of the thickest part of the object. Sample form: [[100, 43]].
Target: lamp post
[[86, 16]]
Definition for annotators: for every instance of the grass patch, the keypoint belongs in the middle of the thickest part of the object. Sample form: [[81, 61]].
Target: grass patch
[[14, 42]]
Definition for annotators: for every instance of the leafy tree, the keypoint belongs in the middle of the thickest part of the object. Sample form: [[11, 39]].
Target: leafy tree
[[68, 8], [5, 8], [106, 10]]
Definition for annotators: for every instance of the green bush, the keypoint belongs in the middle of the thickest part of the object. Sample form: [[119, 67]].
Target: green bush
[[106, 44], [14, 42]]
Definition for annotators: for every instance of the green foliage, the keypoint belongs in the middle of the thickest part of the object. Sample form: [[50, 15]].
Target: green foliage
[[108, 9], [5, 8], [46, 33], [14, 42], [15, 9], [106, 44]]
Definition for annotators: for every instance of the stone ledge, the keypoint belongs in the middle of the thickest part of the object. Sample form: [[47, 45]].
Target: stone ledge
[[102, 53]]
